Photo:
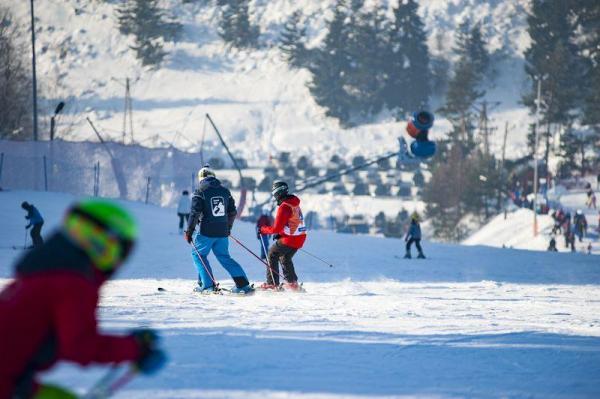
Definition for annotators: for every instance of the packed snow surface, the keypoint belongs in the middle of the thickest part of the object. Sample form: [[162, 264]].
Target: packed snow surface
[[466, 322]]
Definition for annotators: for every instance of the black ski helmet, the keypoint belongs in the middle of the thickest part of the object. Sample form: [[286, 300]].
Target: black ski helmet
[[279, 189]]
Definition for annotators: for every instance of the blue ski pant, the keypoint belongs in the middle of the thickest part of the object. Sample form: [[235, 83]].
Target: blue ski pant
[[220, 248], [264, 245]]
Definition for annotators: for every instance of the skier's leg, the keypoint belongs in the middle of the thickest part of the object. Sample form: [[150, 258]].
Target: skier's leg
[[180, 221], [221, 251], [418, 245], [408, 245], [273, 261], [265, 240], [36, 237], [261, 240], [203, 245], [287, 265]]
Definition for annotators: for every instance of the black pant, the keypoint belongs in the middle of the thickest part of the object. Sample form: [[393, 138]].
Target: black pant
[[182, 216], [417, 242], [281, 253], [36, 236]]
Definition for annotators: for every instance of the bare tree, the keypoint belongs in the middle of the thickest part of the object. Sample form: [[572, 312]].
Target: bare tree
[[15, 81]]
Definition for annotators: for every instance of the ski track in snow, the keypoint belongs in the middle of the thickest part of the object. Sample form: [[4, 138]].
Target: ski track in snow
[[466, 322]]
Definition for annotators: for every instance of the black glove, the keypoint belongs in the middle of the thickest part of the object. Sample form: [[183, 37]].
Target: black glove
[[151, 358], [187, 236], [276, 237], [258, 232]]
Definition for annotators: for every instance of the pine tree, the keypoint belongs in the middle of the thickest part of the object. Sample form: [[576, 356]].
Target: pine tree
[[440, 67], [465, 86], [147, 22], [408, 77], [553, 57], [293, 44], [364, 81], [235, 27], [444, 196], [329, 68]]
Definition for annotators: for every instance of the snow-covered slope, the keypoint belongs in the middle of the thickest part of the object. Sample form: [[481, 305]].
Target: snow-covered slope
[[516, 229], [261, 106], [466, 322]]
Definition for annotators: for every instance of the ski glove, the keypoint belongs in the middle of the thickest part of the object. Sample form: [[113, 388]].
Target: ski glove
[[151, 357], [187, 237]]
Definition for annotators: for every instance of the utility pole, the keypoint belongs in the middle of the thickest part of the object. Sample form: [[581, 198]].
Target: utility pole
[[535, 154], [127, 110], [35, 115]]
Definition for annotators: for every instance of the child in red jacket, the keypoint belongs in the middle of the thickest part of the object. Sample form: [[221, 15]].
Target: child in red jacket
[[290, 233], [49, 310]]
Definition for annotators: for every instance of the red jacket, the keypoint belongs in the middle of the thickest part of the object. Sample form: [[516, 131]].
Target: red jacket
[[264, 220], [47, 314], [289, 223]]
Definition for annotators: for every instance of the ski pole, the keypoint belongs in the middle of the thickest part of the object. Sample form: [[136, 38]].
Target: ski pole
[[99, 388], [121, 381], [253, 254], [204, 265], [316, 257], [25, 241]]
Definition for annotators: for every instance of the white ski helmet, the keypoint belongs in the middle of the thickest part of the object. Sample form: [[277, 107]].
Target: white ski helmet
[[204, 172]]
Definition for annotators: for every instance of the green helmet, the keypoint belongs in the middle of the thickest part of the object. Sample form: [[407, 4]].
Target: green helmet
[[103, 230]]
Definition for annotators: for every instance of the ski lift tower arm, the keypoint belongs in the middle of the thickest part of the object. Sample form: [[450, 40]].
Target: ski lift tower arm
[[235, 164]]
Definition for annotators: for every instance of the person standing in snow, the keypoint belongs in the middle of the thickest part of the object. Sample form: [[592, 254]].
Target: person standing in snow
[[414, 235], [290, 235], [580, 223], [183, 209], [264, 220], [35, 222], [48, 311], [214, 209], [552, 245]]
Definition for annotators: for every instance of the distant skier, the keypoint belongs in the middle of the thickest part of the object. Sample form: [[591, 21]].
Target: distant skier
[[48, 311], [290, 235], [264, 220], [552, 245], [35, 222], [183, 209], [214, 209], [580, 223], [414, 235]]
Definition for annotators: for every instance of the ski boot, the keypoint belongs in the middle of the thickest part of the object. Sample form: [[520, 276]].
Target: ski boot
[[293, 286], [407, 256], [421, 256], [206, 290], [246, 290], [268, 287]]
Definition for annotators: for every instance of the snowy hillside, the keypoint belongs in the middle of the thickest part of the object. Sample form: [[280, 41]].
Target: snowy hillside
[[516, 229], [466, 322], [261, 105]]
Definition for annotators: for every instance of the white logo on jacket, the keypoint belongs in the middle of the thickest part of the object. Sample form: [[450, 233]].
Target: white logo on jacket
[[218, 206]]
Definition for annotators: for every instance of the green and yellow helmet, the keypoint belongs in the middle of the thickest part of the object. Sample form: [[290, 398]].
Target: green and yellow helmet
[[103, 230]]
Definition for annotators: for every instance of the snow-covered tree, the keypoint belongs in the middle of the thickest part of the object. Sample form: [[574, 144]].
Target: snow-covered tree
[[148, 23], [235, 27]]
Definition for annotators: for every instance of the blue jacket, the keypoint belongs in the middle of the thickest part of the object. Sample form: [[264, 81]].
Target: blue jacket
[[34, 216], [213, 207], [414, 231]]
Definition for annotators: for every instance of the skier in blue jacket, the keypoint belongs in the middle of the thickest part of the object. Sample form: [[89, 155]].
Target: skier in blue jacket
[[214, 209], [35, 221], [414, 235]]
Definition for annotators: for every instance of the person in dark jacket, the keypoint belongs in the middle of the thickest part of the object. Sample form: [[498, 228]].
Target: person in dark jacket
[[214, 209], [414, 235], [264, 220], [290, 235], [35, 222], [48, 311]]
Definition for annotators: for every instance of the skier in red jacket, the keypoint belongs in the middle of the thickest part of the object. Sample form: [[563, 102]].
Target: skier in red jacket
[[290, 233], [48, 312]]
